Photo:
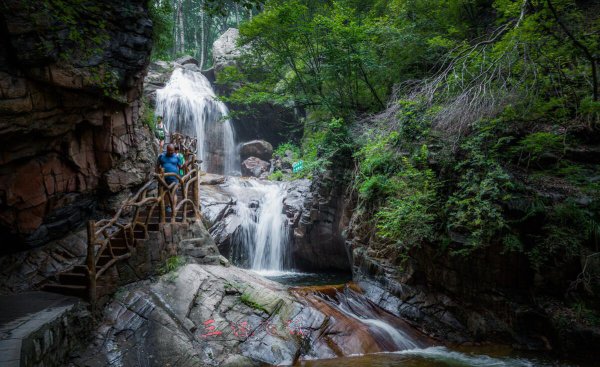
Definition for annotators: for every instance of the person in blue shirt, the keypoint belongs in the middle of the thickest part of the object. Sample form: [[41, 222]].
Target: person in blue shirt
[[169, 162]]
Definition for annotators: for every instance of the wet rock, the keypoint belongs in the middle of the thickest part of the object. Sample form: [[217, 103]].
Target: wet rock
[[221, 316], [256, 148], [187, 59], [254, 167], [316, 212], [201, 248], [211, 179], [212, 315]]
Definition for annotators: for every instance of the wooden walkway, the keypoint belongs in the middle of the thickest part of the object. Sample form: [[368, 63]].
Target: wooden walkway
[[113, 240]]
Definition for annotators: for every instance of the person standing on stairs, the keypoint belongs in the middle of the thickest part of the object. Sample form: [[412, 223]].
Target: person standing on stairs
[[160, 133], [168, 162]]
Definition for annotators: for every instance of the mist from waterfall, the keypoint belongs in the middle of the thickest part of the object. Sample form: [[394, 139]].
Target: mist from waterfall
[[263, 240], [189, 106]]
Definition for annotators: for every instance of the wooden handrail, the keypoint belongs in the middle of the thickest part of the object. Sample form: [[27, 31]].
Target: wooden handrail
[[151, 196]]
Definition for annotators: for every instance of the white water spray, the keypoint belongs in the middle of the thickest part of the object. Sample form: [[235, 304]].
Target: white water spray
[[263, 237], [189, 105]]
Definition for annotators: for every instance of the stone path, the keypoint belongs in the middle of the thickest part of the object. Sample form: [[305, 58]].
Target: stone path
[[36, 326]]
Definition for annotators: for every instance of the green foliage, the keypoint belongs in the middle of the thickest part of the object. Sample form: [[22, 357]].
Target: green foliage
[[281, 150], [148, 118], [276, 176], [172, 264], [475, 87], [161, 14], [401, 190], [474, 208], [567, 227], [534, 145], [323, 142], [408, 218]]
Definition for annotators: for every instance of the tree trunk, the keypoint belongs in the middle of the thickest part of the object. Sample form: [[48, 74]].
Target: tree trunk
[[237, 15], [202, 37], [181, 30]]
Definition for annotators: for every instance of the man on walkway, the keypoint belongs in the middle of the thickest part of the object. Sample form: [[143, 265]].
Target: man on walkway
[[169, 162]]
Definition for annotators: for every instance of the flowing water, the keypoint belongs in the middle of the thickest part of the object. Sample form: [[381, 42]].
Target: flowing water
[[262, 241], [189, 106], [370, 337]]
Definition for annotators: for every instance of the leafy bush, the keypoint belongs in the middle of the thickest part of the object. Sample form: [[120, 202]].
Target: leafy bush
[[289, 146], [172, 264], [408, 218], [474, 208], [148, 118], [566, 229], [276, 176], [534, 145]]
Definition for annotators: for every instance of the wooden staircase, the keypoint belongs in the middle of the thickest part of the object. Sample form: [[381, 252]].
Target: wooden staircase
[[111, 241]]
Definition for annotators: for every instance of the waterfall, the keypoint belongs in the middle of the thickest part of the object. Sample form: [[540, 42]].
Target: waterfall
[[189, 105], [262, 240]]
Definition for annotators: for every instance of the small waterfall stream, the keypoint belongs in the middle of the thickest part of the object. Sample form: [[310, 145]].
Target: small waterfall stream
[[263, 239], [189, 105]]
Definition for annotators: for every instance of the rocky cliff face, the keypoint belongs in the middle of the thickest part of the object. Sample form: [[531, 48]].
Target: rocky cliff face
[[318, 215], [70, 78]]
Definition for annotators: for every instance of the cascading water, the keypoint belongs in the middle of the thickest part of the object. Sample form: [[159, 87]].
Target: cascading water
[[262, 241], [388, 332], [189, 105]]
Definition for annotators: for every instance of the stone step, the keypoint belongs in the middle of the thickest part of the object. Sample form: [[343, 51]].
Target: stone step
[[81, 269], [139, 234], [69, 278], [119, 250], [67, 289]]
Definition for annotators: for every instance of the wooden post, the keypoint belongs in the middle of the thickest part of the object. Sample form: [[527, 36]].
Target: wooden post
[[197, 192], [161, 196], [91, 263]]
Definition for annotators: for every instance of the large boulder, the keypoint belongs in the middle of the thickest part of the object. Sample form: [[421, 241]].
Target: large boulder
[[257, 148], [69, 108], [254, 167], [225, 50]]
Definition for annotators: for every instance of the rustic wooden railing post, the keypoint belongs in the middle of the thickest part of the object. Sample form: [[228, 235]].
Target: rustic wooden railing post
[[91, 262], [197, 192], [161, 198]]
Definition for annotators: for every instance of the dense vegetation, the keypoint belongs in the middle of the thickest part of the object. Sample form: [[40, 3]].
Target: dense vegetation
[[474, 123]]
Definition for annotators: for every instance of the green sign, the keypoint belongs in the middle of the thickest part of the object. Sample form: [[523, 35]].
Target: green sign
[[297, 166]]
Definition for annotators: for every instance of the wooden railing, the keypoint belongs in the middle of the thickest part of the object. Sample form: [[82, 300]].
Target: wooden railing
[[112, 240]]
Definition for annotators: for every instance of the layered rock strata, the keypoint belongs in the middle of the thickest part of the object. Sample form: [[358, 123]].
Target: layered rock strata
[[70, 79]]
